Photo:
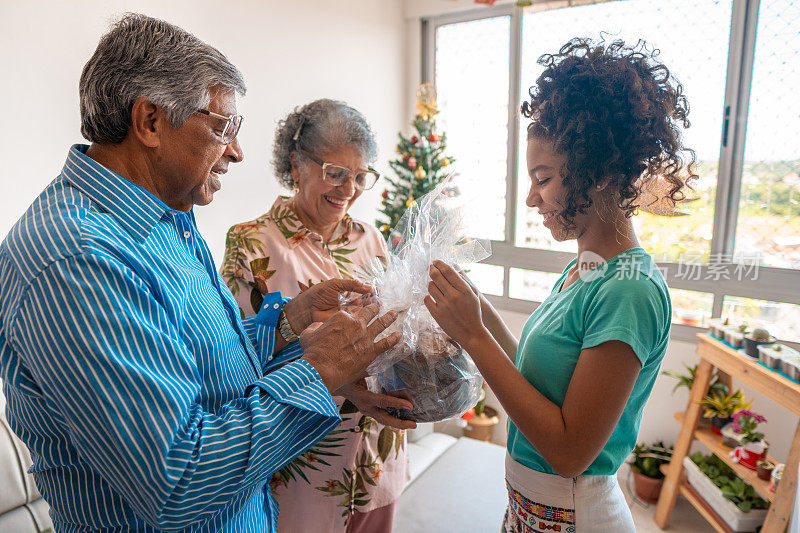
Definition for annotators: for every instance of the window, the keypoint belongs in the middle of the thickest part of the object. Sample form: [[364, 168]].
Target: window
[[739, 64], [769, 202], [472, 81]]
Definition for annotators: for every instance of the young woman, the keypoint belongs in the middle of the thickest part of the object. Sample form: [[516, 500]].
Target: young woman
[[605, 122]]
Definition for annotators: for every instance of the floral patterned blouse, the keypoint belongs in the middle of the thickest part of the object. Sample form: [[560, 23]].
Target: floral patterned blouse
[[361, 465]]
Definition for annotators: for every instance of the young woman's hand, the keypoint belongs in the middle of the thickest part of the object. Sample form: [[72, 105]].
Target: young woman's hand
[[454, 304]]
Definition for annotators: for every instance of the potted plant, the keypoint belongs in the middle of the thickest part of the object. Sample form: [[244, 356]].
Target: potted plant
[[719, 407], [765, 468], [646, 467], [481, 419], [753, 446], [735, 501], [756, 338]]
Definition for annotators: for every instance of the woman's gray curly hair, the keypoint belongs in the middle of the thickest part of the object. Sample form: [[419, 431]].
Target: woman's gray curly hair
[[320, 126]]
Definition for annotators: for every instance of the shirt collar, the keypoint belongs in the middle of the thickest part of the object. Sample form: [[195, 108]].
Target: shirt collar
[[136, 209], [282, 214]]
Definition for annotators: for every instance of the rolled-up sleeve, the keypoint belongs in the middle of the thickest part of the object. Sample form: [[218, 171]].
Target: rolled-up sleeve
[[117, 371]]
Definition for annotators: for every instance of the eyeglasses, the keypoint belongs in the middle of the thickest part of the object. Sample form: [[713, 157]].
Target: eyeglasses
[[232, 124], [336, 175]]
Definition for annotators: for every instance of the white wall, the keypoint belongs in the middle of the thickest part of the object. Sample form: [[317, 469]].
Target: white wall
[[289, 52]]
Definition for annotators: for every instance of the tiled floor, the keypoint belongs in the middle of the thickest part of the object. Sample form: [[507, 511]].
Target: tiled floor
[[684, 519]]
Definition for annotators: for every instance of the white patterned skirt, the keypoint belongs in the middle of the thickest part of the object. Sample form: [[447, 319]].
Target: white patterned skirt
[[547, 502]]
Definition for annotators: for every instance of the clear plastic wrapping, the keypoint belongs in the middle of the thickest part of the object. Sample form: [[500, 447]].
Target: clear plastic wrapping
[[426, 366]]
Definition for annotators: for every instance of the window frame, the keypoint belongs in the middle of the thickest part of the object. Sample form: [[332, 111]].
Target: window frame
[[774, 284]]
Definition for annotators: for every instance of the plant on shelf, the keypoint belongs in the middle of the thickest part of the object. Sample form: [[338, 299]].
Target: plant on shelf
[[646, 467], [752, 449], [720, 406], [687, 380], [481, 419], [754, 339], [732, 486]]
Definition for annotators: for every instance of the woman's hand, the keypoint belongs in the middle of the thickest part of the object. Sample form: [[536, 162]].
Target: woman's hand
[[320, 301], [454, 304], [374, 405]]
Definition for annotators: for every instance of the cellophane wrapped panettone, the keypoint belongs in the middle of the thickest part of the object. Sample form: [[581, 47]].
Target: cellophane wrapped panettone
[[426, 366]]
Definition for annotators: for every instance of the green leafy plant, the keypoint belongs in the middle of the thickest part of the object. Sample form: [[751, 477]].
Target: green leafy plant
[[732, 486], [687, 380], [647, 460], [722, 405]]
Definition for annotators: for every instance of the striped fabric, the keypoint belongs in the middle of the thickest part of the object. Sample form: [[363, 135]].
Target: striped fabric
[[146, 402]]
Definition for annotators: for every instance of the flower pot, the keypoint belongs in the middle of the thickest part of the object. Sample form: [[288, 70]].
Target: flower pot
[[718, 423], [736, 519], [764, 470], [751, 345], [748, 454], [481, 427], [730, 438], [647, 488]]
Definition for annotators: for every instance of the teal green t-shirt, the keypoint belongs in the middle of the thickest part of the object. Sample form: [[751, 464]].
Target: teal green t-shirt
[[624, 299]]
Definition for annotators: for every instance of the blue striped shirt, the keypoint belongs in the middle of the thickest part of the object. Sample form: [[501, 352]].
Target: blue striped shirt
[[146, 401]]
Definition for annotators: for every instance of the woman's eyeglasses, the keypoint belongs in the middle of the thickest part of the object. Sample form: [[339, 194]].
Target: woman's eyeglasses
[[336, 175]]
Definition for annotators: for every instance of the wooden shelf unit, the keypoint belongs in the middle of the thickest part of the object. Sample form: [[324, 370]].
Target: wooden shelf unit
[[730, 363]]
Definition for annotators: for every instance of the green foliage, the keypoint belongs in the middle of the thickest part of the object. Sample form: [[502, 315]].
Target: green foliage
[[721, 405], [409, 183], [687, 380], [647, 460], [732, 486]]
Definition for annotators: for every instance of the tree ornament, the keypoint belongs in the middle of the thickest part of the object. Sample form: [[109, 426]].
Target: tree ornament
[[433, 138], [414, 139], [445, 162], [412, 163], [385, 194], [411, 202], [426, 102], [406, 156], [420, 173]]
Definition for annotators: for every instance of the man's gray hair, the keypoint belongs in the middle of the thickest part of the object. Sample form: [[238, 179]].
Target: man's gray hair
[[320, 126], [145, 57]]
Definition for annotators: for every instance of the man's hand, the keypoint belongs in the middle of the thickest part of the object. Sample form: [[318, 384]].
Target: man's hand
[[319, 302], [341, 348], [374, 405]]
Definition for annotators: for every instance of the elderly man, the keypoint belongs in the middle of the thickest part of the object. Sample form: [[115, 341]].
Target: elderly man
[[147, 403]]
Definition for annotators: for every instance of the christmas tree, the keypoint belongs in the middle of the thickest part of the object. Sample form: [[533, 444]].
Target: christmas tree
[[420, 166]]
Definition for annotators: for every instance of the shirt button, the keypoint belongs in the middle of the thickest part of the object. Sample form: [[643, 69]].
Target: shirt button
[[277, 306], [187, 233]]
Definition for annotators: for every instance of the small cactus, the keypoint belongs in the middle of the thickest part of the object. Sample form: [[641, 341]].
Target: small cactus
[[742, 327], [760, 335], [777, 348]]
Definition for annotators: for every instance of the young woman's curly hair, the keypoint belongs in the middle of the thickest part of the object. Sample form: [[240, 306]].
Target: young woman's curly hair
[[615, 112]]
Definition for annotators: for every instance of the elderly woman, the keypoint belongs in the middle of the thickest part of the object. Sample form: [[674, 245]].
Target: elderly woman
[[350, 481]]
